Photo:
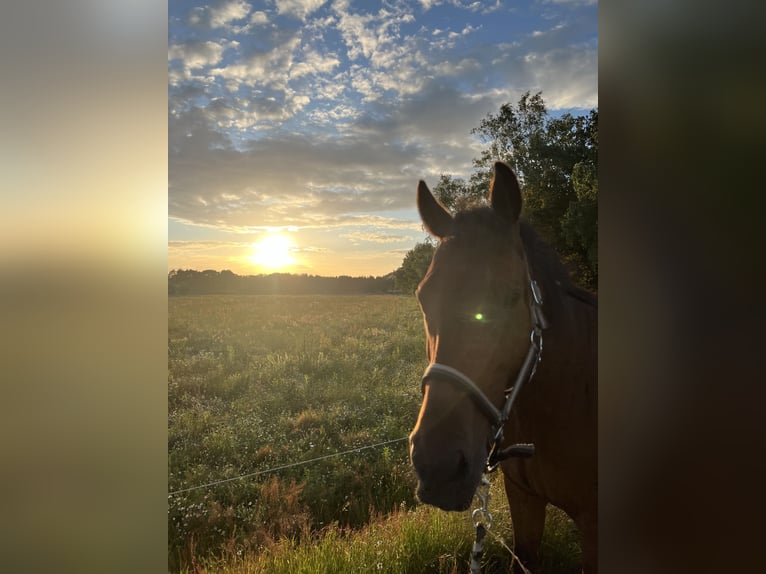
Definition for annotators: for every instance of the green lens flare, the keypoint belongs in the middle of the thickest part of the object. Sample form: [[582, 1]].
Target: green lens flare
[[479, 316]]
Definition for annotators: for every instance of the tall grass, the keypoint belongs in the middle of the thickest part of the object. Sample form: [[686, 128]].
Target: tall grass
[[259, 382], [423, 540]]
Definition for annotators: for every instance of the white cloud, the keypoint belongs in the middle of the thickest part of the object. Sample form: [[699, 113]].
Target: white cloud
[[483, 8], [228, 12], [473, 6], [385, 60], [265, 69], [206, 245], [259, 17], [360, 40], [297, 181], [567, 77], [196, 55], [314, 63], [298, 8], [221, 15], [374, 237], [328, 123]]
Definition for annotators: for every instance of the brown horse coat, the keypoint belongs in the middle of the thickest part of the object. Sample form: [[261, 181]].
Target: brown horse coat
[[479, 270]]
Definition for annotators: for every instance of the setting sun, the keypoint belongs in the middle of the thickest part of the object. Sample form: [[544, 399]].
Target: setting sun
[[273, 251]]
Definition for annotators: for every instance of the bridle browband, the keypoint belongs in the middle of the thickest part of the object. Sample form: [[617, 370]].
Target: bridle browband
[[498, 417]]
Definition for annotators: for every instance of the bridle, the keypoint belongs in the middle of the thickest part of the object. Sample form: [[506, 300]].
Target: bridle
[[481, 517], [498, 417]]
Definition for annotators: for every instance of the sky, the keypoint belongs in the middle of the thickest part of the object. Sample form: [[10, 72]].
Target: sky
[[298, 129]]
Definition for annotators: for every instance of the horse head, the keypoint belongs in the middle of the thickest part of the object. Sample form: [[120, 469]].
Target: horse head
[[476, 300]]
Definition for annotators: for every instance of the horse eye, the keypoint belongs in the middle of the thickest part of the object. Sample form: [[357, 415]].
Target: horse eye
[[479, 316]]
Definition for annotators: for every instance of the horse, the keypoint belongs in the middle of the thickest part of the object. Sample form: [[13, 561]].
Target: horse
[[494, 291]]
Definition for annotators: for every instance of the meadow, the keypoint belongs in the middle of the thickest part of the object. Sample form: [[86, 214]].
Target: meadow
[[259, 384]]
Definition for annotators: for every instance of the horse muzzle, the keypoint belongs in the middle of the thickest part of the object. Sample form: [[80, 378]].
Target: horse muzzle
[[447, 476], [447, 496]]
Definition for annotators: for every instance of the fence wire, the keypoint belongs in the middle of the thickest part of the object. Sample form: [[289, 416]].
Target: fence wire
[[284, 466]]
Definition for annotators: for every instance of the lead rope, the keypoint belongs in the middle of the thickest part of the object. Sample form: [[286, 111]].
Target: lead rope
[[482, 521]]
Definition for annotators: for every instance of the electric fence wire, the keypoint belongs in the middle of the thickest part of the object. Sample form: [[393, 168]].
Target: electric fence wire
[[284, 466]]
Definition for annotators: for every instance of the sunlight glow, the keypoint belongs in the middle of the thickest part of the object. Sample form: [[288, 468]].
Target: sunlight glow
[[273, 251]]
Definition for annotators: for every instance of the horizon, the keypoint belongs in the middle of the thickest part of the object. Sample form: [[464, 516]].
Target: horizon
[[295, 274], [299, 129]]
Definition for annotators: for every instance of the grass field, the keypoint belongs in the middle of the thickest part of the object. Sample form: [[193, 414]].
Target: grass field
[[264, 382]]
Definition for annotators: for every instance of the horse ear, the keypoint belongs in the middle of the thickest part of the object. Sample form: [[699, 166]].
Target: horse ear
[[436, 218], [504, 193]]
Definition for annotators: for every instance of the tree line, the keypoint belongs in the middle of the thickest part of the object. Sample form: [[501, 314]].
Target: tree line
[[209, 281], [556, 162]]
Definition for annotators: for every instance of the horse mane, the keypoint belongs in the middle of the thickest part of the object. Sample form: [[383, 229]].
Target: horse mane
[[547, 264], [483, 226]]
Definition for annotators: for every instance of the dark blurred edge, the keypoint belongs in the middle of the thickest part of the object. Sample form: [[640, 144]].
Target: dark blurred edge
[[681, 90], [83, 267]]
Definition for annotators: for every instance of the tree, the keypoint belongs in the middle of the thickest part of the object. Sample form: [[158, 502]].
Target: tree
[[580, 222], [514, 135], [414, 267], [556, 161], [455, 194]]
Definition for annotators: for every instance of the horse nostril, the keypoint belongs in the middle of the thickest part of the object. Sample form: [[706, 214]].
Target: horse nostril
[[448, 464]]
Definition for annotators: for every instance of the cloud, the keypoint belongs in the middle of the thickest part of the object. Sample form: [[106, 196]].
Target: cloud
[[287, 181], [372, 237], [220, 15], [290, 71], [298, 8], [324, 115], [471, 5], [265, 68], [206, 245], [195, 55], [315, 64], [227, 12], [567, 78], [260, 17], [484, 8], [360, 38], [288, 186]]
